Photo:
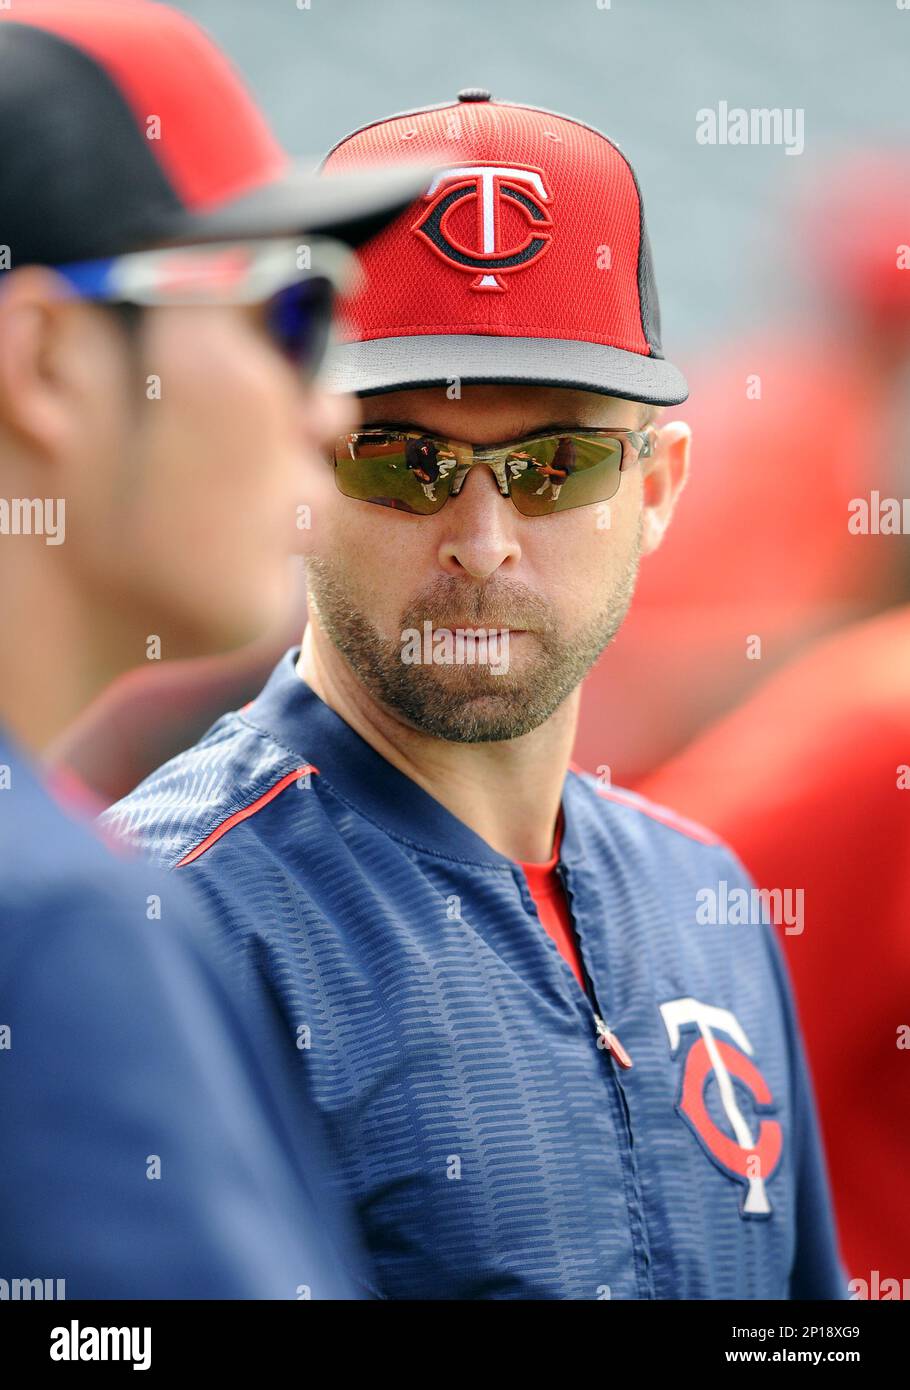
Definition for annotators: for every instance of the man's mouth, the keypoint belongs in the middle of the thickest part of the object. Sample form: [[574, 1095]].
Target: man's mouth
[[470, 627]]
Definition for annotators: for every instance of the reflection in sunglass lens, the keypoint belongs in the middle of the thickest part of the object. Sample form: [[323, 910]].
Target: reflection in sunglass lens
[[556, 474], [410, 473], [414, 473]]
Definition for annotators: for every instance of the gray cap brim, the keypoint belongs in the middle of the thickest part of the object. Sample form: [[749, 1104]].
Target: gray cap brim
[[350, 207], [401, 364]]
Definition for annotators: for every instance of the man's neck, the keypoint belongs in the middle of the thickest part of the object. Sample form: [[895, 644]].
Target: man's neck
[[50, 664], [508, 793]]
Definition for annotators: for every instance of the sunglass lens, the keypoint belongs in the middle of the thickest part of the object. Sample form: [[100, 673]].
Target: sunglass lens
[[407, 473], [558, 473], [300, 317]]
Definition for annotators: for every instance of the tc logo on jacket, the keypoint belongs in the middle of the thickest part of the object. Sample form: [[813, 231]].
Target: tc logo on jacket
[[490, 1147], [751, 1159]]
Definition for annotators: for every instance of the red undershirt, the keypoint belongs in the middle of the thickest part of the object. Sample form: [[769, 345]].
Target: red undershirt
[[548, 895]]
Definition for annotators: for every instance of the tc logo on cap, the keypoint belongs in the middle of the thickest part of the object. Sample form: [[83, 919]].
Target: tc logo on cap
[[496, 190]]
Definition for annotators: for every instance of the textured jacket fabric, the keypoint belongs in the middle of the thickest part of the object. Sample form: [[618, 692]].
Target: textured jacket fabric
[[492, 1145]]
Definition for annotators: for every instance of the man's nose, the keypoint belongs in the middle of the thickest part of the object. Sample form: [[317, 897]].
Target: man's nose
[[479, 528]]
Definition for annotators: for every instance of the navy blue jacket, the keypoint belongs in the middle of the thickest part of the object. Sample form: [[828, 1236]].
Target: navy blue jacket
[[491, 1142], [145, 1149]]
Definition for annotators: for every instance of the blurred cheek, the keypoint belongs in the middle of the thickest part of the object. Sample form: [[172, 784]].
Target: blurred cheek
[[322, 517], [218, 469]]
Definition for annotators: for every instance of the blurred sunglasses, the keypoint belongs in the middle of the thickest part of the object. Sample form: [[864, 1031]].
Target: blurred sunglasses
[[296, 282], [544, 473]]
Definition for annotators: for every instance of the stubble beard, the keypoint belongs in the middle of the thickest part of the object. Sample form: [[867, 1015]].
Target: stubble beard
[[467, 703]]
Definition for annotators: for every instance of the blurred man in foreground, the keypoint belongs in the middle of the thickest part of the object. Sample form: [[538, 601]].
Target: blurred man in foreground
[[158, 324]]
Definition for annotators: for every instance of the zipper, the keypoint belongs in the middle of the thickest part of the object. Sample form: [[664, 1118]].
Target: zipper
[[607, 1039]]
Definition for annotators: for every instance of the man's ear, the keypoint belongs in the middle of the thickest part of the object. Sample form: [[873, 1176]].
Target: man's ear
[[665, 474], [35, 404]]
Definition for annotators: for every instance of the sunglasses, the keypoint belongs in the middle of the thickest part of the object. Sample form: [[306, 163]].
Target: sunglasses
[[542, 474], [296, 283]]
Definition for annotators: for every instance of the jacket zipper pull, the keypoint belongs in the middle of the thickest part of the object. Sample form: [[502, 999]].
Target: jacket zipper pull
[[608, 1039]]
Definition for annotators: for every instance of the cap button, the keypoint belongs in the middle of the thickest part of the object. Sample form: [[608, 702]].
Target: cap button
[[475, 94]]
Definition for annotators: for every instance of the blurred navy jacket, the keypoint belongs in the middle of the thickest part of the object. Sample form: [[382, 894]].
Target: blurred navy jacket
[[126, 1055]]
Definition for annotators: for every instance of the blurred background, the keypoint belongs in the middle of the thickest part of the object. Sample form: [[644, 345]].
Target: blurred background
[[761, 683]]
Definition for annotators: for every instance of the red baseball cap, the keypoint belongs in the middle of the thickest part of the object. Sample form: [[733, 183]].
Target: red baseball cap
[[122, 126], [525, 260]]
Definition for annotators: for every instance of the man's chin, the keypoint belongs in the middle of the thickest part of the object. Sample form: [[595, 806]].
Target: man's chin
[[473, 707]]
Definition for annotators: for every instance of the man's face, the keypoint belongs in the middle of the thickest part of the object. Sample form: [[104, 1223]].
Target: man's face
[[560, 584], [193, 474]]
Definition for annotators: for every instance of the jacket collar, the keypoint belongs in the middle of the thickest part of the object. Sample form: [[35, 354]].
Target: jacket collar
[[292, 713]]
